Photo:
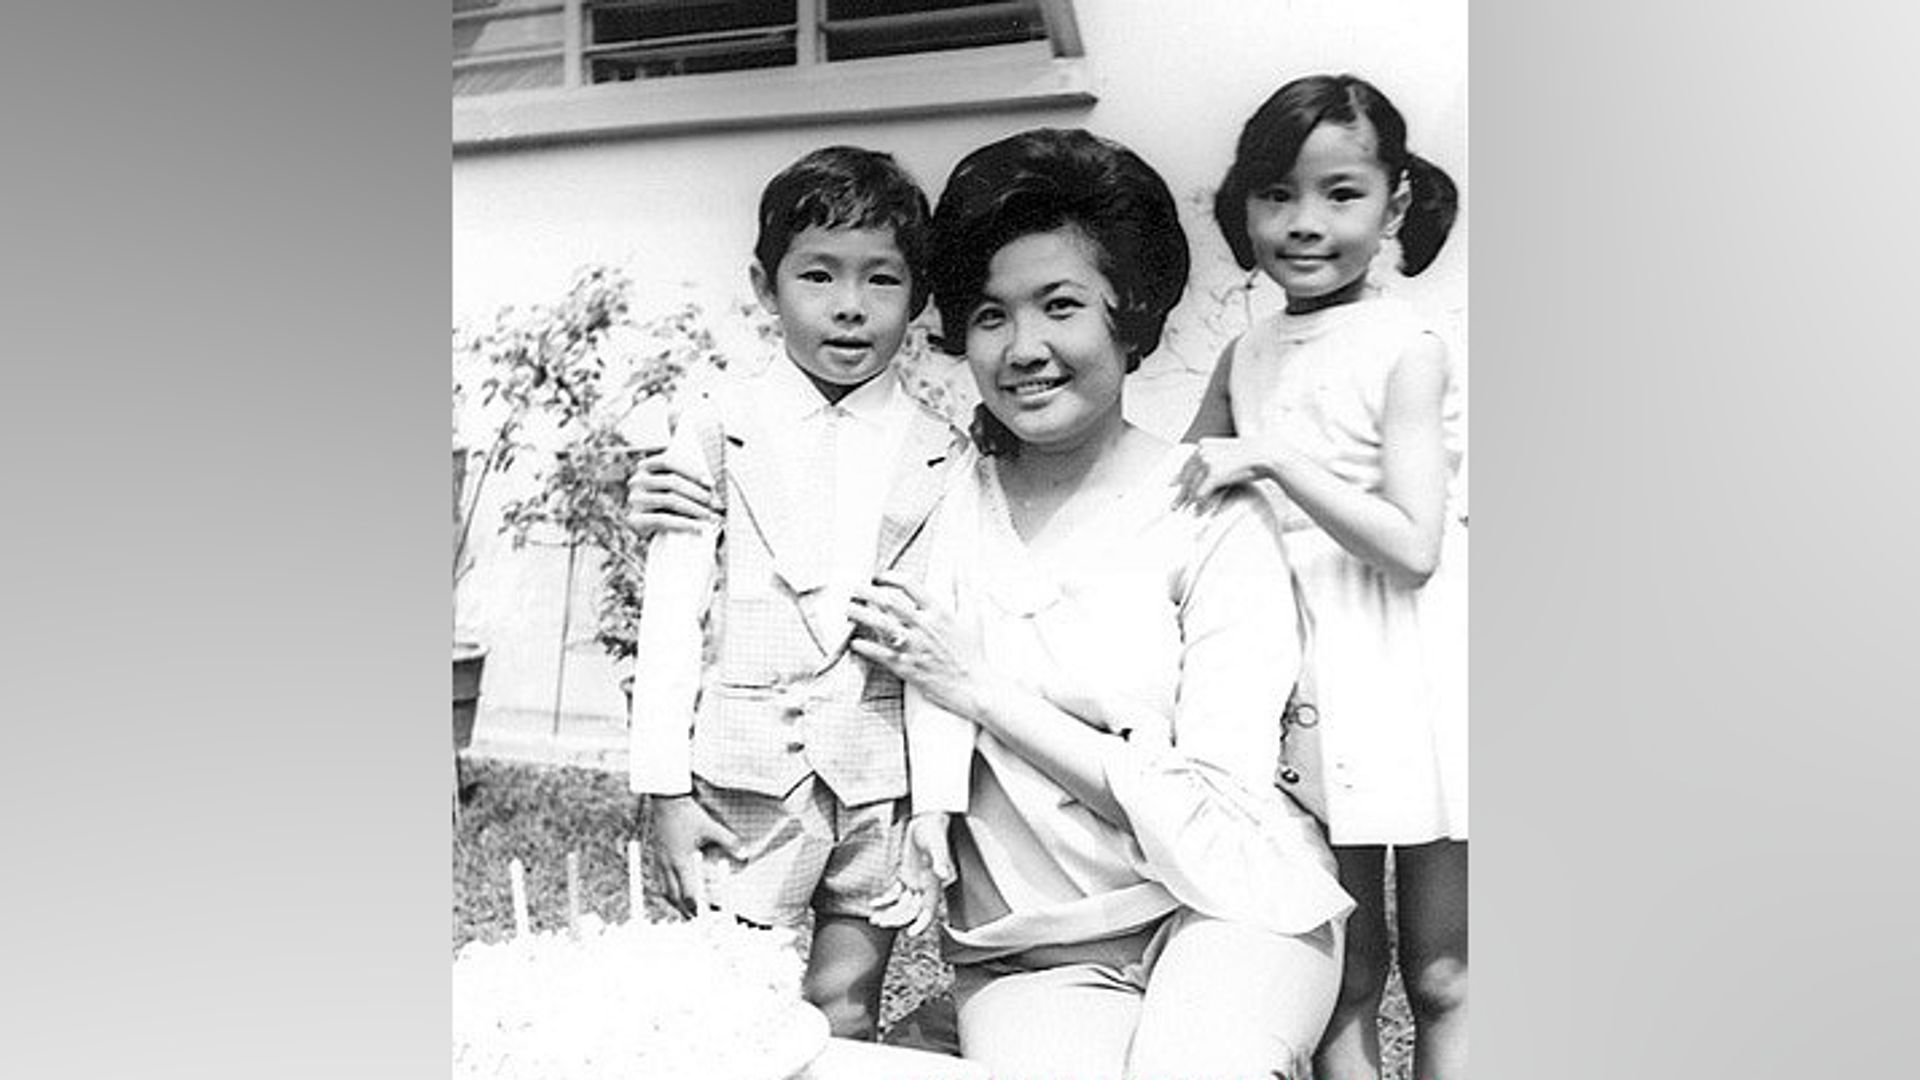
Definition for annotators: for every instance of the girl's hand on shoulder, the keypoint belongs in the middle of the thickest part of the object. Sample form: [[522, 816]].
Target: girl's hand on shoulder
[[663, 497], [1218, 464], [903, 629]]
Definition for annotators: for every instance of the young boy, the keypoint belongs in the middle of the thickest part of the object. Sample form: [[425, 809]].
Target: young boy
[[786, 751]]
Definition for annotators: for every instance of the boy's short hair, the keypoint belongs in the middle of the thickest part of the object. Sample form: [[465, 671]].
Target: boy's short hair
[[846, 187]]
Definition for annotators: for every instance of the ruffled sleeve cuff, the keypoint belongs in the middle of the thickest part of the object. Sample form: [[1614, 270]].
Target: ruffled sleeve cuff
[[1223, 849]]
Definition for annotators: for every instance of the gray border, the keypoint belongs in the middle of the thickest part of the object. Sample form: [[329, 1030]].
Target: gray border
[[1685, 414], [226, 293]]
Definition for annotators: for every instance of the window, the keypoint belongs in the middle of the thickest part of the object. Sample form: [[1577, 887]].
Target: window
[[531, 69]]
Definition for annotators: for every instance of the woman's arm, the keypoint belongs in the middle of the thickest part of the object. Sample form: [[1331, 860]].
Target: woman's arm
[[1397, 530], [1240, 643], [910, 634], [1068, 751]]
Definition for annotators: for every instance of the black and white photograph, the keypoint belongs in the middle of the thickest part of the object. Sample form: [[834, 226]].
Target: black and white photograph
[[960, 519], [959, 524]]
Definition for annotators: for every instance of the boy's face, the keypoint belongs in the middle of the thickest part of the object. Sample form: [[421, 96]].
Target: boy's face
[[842, 297]]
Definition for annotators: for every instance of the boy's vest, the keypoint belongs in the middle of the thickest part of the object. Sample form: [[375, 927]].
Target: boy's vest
[[781, 695]]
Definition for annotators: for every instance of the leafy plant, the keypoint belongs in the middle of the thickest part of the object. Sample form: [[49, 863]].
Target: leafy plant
[[584, 368], [472, 467], [588, 379]]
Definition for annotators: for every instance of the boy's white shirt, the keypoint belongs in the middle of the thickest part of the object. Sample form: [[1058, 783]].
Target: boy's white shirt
[[873, 423]]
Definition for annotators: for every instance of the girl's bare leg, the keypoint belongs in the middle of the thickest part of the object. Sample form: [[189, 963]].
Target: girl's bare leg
[[1431, 890], [1351, 1048]]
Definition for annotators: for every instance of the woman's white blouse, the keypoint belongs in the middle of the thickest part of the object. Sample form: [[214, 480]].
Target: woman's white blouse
[[1188, 617]]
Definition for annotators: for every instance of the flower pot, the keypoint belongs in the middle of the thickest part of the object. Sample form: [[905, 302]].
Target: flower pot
[[469, 660]]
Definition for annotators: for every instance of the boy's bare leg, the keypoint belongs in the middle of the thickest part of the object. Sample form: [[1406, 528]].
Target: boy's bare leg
[[845, 970]]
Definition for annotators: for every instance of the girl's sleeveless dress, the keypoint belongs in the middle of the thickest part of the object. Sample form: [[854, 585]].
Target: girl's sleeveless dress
[[1388, 664]]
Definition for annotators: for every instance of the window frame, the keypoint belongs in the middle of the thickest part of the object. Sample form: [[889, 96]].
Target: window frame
[[1046, 72]]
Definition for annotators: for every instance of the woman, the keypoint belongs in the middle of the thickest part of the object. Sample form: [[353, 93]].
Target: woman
[[1096, 676]]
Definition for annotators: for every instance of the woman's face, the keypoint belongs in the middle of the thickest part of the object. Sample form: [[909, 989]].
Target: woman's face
[[1041, 342]]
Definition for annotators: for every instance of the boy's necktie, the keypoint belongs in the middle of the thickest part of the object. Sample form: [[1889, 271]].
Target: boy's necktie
[[819, 510], [824, 475]]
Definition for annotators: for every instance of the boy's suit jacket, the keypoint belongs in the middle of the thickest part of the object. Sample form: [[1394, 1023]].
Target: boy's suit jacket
[[780, 696]]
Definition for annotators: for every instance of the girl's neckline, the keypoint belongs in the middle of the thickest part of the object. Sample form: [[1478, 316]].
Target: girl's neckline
[[1318, 321]]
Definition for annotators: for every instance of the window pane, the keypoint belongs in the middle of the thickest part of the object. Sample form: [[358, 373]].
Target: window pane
[[856, 29], [627, 41], [464, 7], [501, 45], [621, 22], [479, 37], [628, 65], [868, 9], [507, 75]]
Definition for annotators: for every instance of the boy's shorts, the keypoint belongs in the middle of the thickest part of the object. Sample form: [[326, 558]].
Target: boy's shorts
[[804, 852]]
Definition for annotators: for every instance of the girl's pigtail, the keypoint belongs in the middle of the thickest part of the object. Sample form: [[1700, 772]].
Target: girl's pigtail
[[1433, 202]]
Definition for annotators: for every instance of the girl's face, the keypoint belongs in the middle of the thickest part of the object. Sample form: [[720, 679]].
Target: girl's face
[[1041, 343], [1315, 230]]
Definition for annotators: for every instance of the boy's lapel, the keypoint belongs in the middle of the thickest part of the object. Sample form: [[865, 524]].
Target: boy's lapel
[[919, 479], [759, 466], [931, 446]]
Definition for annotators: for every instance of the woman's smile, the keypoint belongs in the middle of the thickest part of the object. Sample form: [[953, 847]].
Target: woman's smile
[[1032, 390]]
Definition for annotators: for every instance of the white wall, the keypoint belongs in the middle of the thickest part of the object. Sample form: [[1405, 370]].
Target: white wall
[[1175, 82]]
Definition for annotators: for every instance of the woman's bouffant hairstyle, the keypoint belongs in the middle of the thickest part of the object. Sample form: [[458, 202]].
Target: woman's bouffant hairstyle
[[846, 187], [1271, 140], [1039, 181]]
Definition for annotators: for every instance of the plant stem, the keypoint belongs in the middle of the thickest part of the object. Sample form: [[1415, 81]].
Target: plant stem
[[566, 627], [472, 508]]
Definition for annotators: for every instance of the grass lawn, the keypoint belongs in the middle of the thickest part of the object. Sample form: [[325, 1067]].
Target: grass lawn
[[538, 814]]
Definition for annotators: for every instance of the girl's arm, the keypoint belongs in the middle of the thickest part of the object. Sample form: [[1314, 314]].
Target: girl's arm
[[1397, 530], [1214, 418]]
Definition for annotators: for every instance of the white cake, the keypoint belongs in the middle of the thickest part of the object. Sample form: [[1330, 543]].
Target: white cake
[[661, 1001]]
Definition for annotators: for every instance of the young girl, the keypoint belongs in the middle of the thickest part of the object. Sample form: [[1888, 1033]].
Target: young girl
[[1346, 400]]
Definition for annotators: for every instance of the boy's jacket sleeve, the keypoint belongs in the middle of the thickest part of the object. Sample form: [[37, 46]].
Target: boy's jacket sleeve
[[667, 659]]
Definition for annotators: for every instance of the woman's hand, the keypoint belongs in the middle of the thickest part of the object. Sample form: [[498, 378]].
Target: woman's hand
[[663, 497], [907, 632], [921, 642]]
